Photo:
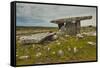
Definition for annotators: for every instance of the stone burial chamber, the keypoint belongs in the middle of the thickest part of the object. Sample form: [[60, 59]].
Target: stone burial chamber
[[72, 25]]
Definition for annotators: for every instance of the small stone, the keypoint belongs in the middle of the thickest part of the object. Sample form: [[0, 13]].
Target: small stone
[[53, 52], [60, 53], [58, 43], [38, 49], [38, 54], [16, 55], [24, 57], [55, 37], [17, 36], [75, 49], [91, 43], [48, 49], [66, 35], [80, 36], [33, 46], [69, 49], [89, 33]]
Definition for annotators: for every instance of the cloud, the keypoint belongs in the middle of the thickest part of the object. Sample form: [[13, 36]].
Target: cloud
[[46, 13]]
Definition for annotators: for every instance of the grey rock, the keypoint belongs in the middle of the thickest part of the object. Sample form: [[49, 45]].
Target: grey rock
[[35, 38]]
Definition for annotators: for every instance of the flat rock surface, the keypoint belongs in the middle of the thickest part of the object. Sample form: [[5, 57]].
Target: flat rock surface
[[35, 38]]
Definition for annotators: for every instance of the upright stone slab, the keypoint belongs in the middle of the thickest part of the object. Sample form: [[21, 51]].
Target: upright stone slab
[[71, 28], [78, 26]]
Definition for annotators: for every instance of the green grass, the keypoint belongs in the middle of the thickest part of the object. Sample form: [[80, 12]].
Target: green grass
[[85, 52]]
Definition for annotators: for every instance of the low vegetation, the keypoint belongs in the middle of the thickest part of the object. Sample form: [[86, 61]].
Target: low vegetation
[[64, 49]]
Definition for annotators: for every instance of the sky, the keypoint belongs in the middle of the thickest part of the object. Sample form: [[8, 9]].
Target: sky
[[41, 14]]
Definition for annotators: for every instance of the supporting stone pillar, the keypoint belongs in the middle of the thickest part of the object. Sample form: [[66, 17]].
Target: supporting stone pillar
[[60, 25], [72, 28], [78, 26]]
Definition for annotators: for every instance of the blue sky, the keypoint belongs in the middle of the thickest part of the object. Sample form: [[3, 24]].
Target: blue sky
[[41, 15]]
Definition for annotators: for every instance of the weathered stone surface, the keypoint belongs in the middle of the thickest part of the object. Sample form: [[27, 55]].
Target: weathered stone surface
[[35, 38], [17, 36], [58, 21]]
